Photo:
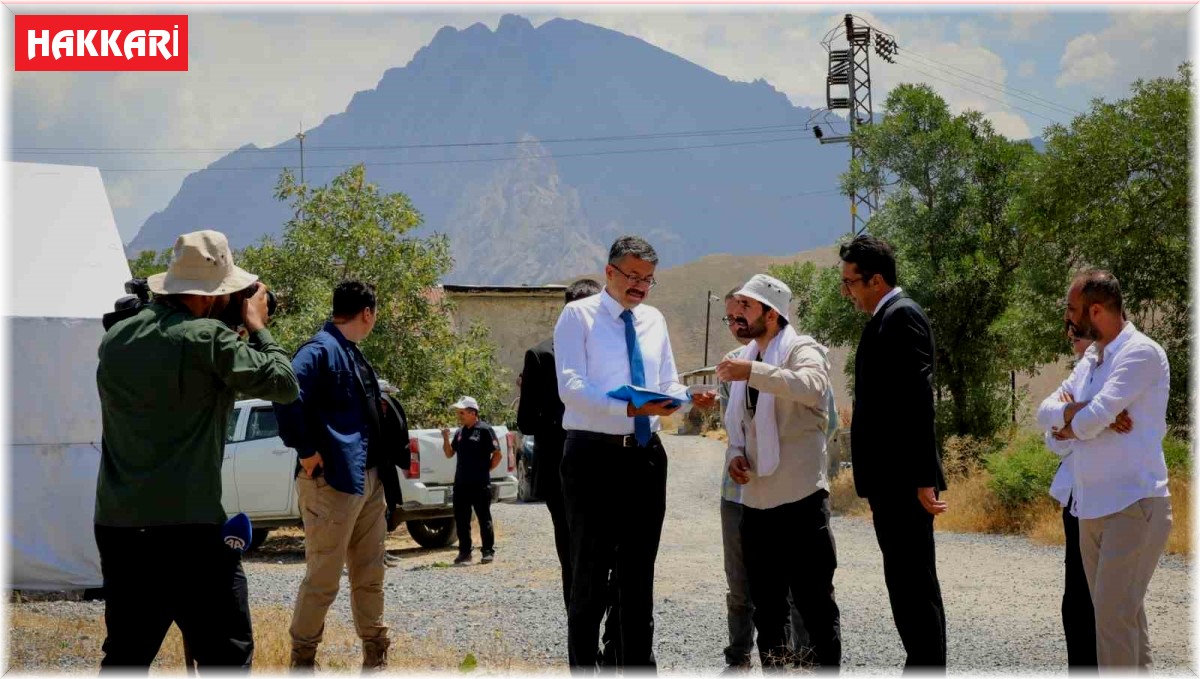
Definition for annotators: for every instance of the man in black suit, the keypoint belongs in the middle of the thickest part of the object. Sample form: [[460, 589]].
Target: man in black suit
[[895, 459], [540, 414]]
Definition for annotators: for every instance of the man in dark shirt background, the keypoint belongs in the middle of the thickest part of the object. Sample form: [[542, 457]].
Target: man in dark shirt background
[[478, 450]]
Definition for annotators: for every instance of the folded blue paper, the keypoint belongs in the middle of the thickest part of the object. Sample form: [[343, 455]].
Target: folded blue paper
[[640, 396]]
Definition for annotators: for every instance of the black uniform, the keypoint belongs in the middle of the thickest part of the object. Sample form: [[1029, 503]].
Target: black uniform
[[473, 447]]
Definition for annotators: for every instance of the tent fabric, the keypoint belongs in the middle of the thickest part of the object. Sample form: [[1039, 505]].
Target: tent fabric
[[68, 268], [67, 259]]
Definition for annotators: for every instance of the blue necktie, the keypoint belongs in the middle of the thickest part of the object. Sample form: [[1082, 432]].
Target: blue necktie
[[637, 375]]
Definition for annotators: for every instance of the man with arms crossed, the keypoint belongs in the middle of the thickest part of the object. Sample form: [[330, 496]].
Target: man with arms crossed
[[1119, 481]]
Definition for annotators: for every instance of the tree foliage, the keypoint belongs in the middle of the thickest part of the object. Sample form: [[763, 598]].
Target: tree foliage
[[349, 229], [988, 233], [1111, 191]]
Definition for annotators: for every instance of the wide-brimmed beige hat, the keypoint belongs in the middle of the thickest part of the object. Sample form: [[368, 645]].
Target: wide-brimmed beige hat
[[202, 264]]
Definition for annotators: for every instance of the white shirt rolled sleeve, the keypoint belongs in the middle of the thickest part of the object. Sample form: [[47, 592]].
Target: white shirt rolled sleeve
[[1133, 372]]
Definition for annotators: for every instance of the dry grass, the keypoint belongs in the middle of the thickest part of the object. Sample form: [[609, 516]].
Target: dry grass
[[1047, 525], [39, 643], [717, 435], [842, 498]]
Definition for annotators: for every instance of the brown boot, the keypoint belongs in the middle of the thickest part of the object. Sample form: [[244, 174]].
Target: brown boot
[[304, 659], [375, 652]]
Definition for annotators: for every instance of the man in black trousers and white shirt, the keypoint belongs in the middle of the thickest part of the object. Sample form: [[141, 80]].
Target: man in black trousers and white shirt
[[894, 453], [602, 343]]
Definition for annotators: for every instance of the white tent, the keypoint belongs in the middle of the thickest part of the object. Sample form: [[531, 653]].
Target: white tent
[[68, 268]]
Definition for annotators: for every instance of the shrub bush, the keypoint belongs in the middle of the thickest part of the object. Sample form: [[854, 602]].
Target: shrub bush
[[1022, 471]]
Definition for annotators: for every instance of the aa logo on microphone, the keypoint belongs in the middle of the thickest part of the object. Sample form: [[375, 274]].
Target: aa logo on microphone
[[101, 42], [235, 542]]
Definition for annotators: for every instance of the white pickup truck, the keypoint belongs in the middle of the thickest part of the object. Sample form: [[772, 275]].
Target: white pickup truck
[[258, 478]]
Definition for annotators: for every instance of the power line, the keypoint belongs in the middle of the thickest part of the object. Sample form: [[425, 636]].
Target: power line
[[469, 160], [999, 86], [395, 147], [982, 94]]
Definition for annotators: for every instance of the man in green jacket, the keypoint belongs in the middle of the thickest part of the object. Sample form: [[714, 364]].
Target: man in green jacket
[[168, 378]]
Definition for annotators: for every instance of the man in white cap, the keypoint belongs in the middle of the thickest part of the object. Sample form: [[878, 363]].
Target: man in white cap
[[478, 450], [776, 419], [168, 377]]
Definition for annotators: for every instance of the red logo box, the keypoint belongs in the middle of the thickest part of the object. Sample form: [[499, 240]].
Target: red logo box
[[101, 42]]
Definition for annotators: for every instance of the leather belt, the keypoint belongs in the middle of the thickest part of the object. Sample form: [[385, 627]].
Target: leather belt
[[618, 440]]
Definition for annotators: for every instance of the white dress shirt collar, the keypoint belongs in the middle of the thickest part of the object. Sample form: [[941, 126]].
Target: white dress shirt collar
[[1114, 346], [611, 305], [895, 291]]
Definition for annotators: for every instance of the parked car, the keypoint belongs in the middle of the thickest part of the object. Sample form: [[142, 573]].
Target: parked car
[[526, 461], [258, 476]]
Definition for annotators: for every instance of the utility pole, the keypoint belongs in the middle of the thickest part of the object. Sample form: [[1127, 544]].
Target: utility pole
[[850, 68], [300, 135], [707, 313]]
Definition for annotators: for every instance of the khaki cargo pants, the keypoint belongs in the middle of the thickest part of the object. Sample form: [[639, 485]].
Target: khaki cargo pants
[[340, 529]]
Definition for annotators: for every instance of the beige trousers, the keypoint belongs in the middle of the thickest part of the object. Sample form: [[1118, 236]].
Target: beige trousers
[[1120, 552], [340, 530]]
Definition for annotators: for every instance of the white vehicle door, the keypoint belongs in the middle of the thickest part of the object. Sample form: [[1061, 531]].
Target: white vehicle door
[[229, 496], [264, 466]]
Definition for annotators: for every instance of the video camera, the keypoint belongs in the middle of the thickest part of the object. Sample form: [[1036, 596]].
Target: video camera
[[138, 296]]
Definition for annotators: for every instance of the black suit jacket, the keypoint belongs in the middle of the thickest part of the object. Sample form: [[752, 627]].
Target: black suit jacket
[[540, 413], [893, 447]]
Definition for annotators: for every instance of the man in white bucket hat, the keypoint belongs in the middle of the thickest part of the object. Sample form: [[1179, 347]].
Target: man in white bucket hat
[[167, 379], [776, 420]]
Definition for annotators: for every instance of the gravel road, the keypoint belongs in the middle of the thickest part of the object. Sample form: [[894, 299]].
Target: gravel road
[[1002, 594]]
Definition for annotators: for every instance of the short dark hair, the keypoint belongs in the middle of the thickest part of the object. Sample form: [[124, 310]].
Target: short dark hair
[[584, 287], [872, 256], [632, 245], [350, 297], [767, 307], [1100, 286]]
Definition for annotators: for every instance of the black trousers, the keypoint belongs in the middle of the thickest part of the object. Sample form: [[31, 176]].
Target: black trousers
[[1079, 618], [477, 497], [790, 548], [548, 473], [173, 574], [905, 534], [613, 534]]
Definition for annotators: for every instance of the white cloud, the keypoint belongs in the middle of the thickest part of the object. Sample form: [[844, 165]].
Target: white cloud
[[1136, 44], [1023, 25], [1009, 124], [1085, 60]]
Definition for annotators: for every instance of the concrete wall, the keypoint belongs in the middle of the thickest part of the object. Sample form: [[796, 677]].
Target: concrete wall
[[515, 322]]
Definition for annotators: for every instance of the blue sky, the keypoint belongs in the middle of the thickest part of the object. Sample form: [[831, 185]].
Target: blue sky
[[255, 77]]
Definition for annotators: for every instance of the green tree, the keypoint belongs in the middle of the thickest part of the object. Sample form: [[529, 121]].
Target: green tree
[[1111, 191], [349, 229], [949, 181], [149, 262]]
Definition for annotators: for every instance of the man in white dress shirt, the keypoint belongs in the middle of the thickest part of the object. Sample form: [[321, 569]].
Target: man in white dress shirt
[[601, 343], [1118, 480]]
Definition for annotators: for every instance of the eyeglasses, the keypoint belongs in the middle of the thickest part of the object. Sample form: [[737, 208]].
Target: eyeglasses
[[636, 280], [847, 282], [728, 320]]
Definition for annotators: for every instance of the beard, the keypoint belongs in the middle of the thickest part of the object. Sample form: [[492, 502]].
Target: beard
[[1084, 329], [746, 330]]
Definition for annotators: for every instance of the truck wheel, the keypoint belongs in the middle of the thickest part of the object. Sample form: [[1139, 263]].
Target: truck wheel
[[524, 482], [433, 533], [258, 537]]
